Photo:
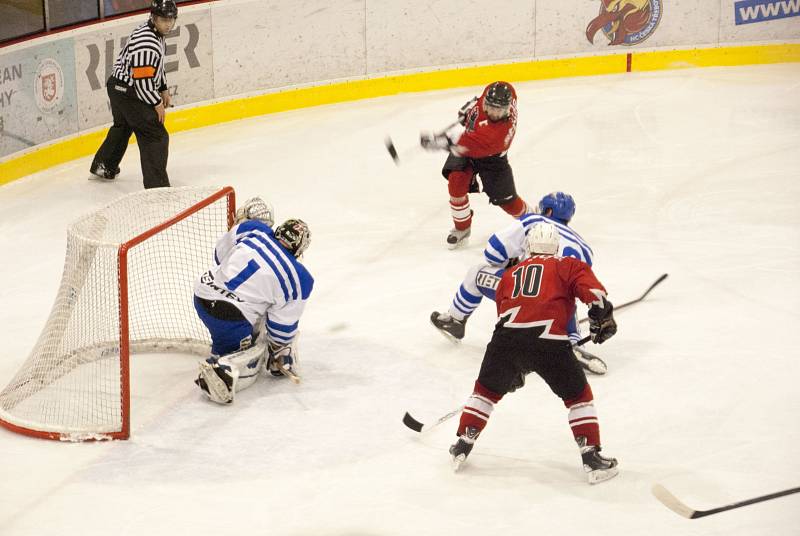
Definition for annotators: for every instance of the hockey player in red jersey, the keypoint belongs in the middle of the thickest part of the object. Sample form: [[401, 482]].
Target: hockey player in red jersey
[[535, 301], [490, 123]]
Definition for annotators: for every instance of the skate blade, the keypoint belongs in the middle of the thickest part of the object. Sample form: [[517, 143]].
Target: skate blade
[[601, 475], [446, 335]]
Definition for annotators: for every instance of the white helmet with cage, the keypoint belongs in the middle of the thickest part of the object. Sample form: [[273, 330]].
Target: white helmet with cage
[[255, 208]]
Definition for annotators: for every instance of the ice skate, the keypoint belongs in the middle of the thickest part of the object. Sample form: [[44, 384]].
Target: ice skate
[[448, 326], [598, 468], [99, 171], [589, 361], [458, 238], [461, 448]]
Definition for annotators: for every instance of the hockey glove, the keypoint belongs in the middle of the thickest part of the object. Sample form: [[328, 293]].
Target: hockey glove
[[601, 321], [435, 142], [462, 113], [279, 355]]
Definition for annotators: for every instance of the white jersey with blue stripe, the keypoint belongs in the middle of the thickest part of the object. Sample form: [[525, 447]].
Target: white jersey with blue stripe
[[257, 275], [510, 242]]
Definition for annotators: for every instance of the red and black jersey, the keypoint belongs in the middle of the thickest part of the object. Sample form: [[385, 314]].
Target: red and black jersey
[[541, 291], [482, 137]]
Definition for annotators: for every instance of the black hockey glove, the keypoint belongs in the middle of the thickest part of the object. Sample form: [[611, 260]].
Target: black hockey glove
[[462, 113], [601, 321], [434, 142]]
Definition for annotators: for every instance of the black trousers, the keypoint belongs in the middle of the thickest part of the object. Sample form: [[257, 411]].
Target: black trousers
[[514, 352], [495, 172], [132, 116]]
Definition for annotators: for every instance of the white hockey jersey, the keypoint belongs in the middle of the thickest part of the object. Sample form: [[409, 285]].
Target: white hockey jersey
[[257, 275], [510, 242]]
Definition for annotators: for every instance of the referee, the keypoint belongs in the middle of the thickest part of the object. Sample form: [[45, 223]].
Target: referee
[[138, 94]]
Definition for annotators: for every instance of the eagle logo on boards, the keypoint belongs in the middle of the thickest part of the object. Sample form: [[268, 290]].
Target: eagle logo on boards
[[625, 22], [48, 85]]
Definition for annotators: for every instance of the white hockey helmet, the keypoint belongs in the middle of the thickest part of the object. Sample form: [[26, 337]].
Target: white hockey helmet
[[542, 239], [255, 208]]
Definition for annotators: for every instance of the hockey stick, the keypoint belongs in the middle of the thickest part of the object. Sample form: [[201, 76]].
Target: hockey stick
[[673, 503], [390, 147], [637, 300], [417, 426]]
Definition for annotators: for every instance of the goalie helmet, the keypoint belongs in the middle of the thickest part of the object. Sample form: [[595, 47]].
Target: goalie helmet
[[255, 208], [542, 239], [562, 205], [164, 8], [294, 235]]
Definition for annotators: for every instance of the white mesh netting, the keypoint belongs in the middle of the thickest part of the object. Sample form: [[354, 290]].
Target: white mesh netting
[[71, 384]]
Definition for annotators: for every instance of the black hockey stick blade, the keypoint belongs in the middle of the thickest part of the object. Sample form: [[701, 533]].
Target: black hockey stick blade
[[392, 150], [412, 423], [673, 503], [417, 426]]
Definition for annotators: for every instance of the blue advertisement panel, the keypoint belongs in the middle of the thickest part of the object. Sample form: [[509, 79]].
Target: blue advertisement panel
[[751, 11]]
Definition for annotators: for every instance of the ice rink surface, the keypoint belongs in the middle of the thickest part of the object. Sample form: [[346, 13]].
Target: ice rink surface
[[695, 173]]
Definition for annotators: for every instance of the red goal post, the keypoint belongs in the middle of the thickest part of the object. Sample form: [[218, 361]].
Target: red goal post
[[126, 288]]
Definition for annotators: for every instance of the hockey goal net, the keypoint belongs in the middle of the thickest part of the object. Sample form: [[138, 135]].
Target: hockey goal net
[[126, 288]]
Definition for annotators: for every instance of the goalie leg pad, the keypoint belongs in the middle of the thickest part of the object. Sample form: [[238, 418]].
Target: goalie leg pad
[[220, 379], [246, 363], [216, 382]]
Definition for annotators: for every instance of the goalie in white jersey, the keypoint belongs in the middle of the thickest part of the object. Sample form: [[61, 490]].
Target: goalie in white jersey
[[504, 249], [257, 281]]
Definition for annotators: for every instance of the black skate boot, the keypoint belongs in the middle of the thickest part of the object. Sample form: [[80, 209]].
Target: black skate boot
[[448, 326], [597, 467], [457, 239], [99, 170], [461, 448]]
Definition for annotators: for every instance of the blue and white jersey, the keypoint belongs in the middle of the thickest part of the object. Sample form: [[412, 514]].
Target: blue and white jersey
[[257, 275], [510, 242]]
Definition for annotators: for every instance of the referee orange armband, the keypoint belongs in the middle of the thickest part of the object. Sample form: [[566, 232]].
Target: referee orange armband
[[144, 72]]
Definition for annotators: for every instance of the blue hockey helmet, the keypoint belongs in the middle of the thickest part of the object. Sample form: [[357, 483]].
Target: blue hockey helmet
[[562, 205]]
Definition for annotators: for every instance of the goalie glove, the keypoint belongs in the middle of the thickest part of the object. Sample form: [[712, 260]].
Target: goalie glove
[[279, 354], [435, 142], [602, 325], [462, 113]]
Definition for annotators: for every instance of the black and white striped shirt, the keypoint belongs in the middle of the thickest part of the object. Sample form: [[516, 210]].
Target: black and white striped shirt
[[141, 64]]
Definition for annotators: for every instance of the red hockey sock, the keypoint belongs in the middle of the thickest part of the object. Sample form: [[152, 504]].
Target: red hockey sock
[[478, 408], [458, 187], [583, 417], [461, 213], [516, 208]]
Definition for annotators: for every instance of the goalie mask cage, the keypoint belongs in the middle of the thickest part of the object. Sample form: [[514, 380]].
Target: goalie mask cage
[[127, 287]]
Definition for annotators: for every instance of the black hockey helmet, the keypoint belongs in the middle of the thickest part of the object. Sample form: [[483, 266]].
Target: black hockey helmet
[[164, 8], [499, 95], [294, 235]]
